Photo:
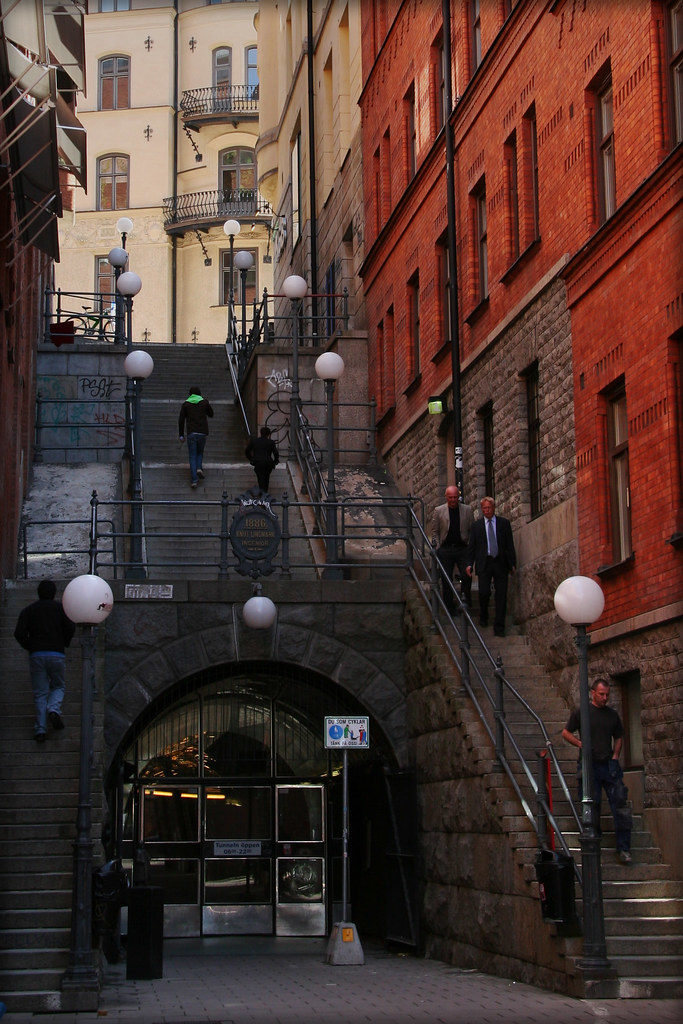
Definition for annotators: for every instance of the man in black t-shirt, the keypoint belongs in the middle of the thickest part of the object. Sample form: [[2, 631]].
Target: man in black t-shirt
[[607, 734]]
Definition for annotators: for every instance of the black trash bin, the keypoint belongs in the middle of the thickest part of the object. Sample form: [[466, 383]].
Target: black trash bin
[[555, 874], [145, 947], [109, 887]]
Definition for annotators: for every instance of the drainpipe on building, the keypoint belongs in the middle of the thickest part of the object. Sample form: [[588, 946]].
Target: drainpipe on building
[[311, 174], [452, 256], [174, 238]]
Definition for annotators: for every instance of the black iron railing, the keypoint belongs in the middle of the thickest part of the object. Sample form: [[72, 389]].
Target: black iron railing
[[220, 99], [269, 321], [86, 316], [215, 206]]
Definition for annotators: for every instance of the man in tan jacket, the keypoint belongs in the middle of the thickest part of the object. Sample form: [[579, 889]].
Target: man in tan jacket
[[451, 526]]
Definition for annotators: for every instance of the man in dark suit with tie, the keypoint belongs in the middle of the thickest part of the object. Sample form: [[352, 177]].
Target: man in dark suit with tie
[[491, 553], [451, 525]]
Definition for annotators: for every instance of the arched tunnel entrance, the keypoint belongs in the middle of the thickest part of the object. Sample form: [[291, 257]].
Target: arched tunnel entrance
[[224, 788]]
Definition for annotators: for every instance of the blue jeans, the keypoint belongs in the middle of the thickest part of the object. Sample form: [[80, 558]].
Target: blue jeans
[[47, 680], [195, 449], [609, 775]]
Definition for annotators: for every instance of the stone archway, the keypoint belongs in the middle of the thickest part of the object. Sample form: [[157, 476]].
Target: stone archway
[[356, 644]]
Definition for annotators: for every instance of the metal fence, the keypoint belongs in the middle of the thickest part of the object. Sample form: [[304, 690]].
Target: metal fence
[[215, 205], [88, 316], [220, 99]]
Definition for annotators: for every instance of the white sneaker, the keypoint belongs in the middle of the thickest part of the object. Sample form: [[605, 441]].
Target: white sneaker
[[624, 856]]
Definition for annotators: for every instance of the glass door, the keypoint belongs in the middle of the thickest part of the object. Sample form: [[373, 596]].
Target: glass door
[[300, 860], [238, 851]]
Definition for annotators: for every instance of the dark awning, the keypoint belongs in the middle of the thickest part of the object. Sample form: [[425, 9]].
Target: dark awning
[[71, 141], [65, 35]]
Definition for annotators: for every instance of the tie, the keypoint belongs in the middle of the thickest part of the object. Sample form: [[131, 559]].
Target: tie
[[491, 536]]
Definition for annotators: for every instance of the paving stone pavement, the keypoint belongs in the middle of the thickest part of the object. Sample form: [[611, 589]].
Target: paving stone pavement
[[286, 981]]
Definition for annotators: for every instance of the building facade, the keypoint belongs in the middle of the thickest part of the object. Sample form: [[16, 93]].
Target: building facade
[[567, 163], [171, 112]]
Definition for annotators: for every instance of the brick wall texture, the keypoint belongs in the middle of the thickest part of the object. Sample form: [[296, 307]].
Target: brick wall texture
[[592, 293]]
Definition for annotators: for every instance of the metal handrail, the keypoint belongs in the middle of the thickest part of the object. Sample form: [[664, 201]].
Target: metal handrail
[[427, 580], [89, 315], [270, 322]]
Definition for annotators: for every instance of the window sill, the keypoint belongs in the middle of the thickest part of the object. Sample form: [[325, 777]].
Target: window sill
[[475, 313], [385, 417], [676, 540], [413, 386], [442, 351], [607, 571], [511, 270]]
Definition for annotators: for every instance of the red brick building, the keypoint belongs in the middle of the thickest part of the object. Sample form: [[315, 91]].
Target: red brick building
[[42, 153], [567, 124]]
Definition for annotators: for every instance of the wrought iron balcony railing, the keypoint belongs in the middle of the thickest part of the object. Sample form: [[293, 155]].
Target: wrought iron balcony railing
[[219, 100], [215, 206]]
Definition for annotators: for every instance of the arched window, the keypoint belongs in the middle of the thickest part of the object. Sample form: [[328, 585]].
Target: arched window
[[222, 67], [237, 170], [112, 182], [114, 83], [251, 72]]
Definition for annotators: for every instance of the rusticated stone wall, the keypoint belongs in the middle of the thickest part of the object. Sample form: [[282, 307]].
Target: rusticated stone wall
[[479, 907], [338, 629]]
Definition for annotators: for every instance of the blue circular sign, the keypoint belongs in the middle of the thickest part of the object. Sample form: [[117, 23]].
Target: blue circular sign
[[336, 732]]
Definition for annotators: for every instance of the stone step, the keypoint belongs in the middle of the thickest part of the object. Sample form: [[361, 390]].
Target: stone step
[[20, 982], [650, 988], [38, 917], [638, 966], [667, 947], [641, 926], [47, 880], [44, 959], [22, 862], [16, 939], [654, 889], [668, 908], [33, 899]]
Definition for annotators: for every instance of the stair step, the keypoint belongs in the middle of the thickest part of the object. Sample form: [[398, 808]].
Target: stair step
[[661, 907], [639, 966], [39, 917], [17, 981], [23, 864], [44, 959], [650, 988], [34, 938], [35, 899], [641, 946]]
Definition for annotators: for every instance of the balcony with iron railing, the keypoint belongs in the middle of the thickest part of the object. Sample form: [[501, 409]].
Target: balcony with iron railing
[[210, 209], [214, 104]]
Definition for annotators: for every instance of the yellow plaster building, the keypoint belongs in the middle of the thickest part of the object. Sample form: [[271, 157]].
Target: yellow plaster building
[[171, 112], [311, 83]]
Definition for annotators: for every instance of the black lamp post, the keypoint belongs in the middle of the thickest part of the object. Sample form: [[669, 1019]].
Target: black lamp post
[[579, 601], [87, 600], [295, 288], [118, 258], [231, 228], [127, 285], [329, 367], [244, 261], [138, 366]]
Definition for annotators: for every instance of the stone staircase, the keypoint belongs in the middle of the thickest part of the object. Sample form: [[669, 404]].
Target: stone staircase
[[171, 530], [38, 803], [643, 904]]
